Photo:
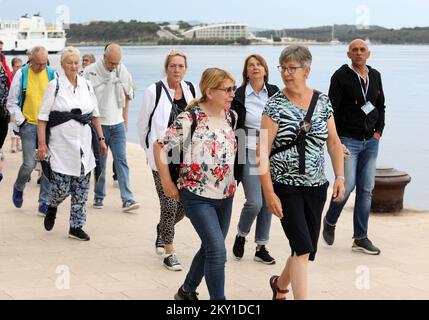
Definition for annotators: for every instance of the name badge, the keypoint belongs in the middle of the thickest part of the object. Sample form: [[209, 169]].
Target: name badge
[[368, 108]]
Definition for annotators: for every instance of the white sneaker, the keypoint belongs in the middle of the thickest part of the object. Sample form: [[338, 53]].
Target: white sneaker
[[115, 184]]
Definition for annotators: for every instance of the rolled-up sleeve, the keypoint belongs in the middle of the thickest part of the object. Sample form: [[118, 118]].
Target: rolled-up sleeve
[[145, 111], [174, 135], [13, 99]]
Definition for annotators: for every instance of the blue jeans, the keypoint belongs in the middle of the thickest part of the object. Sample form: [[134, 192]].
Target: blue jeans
[[28, 134], [116, 141], [255, 206], [211, 219], [359, 171]]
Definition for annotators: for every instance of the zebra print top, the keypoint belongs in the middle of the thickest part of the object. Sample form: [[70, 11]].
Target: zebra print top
[[285, 165]]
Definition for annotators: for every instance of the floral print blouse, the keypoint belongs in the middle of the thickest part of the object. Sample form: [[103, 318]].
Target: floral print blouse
[[208, 167]]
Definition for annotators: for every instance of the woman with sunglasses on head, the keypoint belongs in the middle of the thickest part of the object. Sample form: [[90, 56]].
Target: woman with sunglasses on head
[[206, 178], [162, 102], [249, 103], [296, 124]]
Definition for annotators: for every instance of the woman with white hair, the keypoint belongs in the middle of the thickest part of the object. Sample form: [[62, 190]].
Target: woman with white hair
[[67, 120]]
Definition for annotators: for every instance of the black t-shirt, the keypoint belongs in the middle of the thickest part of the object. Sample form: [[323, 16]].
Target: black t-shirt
[[181, 104], [178, 107]]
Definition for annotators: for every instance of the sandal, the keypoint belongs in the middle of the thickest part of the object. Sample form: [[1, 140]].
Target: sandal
[[275, 288]]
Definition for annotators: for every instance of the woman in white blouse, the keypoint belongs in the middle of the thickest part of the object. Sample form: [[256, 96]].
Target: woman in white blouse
[[162, 102], [68, 108]]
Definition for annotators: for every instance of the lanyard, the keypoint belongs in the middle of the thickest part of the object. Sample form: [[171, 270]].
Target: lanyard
[[364, 91]]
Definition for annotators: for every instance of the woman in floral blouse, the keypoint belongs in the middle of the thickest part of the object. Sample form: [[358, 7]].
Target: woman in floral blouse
[[206, 179]]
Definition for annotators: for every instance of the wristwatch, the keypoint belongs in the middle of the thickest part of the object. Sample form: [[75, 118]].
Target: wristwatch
[[101, 139], [340, 178]]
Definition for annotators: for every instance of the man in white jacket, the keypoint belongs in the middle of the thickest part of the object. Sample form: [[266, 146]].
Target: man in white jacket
[[114, 88]]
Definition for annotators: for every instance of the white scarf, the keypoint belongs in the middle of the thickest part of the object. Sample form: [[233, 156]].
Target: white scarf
[[119, 80]]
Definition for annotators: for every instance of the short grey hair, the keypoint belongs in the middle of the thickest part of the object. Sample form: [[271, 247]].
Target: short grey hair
[[35, 50], [68, 52], [297, 53], [90, 56]]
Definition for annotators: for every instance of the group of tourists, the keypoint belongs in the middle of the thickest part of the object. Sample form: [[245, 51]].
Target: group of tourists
[[200, 144]]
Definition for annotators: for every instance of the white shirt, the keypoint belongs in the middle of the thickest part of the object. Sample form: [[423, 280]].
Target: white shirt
[[104, 84], [160, 117], [255, 104], [68, 139]]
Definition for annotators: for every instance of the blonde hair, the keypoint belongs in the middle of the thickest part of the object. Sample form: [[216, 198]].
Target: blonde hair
[[212, 78], [175, 53], [68, 52]]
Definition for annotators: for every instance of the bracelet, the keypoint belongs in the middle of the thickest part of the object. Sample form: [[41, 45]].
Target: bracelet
[[101, 139], [340, 178]]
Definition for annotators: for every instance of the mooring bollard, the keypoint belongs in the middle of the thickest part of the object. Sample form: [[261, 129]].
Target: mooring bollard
[[388, 194]]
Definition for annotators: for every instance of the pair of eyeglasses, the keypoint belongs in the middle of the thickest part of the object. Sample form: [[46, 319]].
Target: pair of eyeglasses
[[290, 70], [228, 89]]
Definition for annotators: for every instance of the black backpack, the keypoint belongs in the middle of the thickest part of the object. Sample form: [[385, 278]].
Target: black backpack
[[159, 87]]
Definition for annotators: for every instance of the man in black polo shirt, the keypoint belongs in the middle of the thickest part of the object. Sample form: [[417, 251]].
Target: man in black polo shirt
[[357, 97]]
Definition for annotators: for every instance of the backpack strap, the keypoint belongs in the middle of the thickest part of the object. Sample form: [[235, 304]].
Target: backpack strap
[[300, 139], [57, 87], [192, 88], [24, 80], [158, 86], [234, 117]]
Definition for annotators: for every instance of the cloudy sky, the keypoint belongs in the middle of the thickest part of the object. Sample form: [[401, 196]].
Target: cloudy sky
[[276, 14]]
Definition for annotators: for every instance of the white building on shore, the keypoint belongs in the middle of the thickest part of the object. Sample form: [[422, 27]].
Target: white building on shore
[[225, 31]]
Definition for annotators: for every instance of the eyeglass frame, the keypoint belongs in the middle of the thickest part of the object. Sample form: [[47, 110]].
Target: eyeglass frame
[[282, 69], [227, 90]]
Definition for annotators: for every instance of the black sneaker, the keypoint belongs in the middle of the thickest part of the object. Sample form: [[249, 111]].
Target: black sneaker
[[262, 255], [130, 205], [238, 248], [328, 233], [50, 216], [365, 246], [171, 263], [79, 234], [182, 295], [159, 246]]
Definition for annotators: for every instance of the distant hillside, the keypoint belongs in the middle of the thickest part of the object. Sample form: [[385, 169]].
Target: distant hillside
[[124, 32], [346, 33], [135, 32]]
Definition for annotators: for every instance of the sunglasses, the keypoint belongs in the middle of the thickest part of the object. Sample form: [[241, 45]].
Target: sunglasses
[[228, 89]]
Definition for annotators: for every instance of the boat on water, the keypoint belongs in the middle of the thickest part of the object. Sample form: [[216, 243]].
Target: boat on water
[[22, 35], [334, 41]]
